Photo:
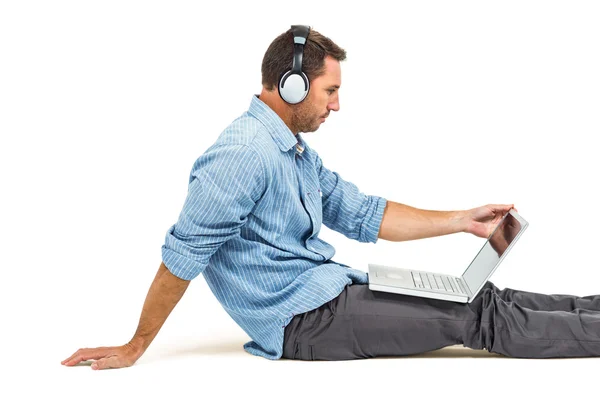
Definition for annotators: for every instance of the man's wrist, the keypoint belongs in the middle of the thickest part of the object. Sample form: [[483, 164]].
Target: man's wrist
[[461, 219], [138, 344]]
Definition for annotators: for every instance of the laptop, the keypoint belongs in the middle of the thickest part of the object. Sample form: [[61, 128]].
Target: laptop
[[447, 287]]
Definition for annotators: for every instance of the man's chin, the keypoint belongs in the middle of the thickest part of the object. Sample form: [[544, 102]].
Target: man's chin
[[315, 128], [311, 128]]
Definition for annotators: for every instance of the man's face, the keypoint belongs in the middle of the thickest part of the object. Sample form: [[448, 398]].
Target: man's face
[[322, 98]]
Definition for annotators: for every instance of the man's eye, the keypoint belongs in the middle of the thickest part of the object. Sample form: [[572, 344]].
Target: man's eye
[[330, 91]]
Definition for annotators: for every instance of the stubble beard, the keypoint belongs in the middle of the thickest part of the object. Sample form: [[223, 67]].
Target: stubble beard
[[302, 120]]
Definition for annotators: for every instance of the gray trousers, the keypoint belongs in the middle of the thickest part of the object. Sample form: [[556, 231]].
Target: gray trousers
[[361, 323]]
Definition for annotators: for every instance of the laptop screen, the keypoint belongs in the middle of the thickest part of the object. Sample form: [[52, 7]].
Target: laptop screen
[[494, 250]]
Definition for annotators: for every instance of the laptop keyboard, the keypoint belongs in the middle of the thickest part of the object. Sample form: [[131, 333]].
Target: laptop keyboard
[[437, 282]]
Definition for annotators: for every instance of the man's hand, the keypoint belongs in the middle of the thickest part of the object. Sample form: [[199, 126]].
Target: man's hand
[[106, 357], [482, 221], [164, 293], [505, 234]]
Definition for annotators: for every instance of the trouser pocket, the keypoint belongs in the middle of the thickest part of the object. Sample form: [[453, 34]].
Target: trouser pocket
[[296, 355], [304, 352]]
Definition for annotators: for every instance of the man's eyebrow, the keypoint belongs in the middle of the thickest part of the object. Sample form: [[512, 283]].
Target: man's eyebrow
[[334, 86]]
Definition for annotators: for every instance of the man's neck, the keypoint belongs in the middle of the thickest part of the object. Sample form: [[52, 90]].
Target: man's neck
[[275, 103]]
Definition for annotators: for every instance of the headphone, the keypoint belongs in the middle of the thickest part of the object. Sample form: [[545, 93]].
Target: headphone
[[293, 84]]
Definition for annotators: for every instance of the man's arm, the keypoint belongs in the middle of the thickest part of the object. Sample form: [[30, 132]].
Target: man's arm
[[401, 222], [164, 293], [225, 184]]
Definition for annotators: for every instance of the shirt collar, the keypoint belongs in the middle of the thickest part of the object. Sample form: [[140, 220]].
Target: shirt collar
[[282, 135]]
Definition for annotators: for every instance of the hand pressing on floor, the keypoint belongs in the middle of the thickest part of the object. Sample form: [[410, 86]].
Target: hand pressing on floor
[[164, 293], [106, 357]]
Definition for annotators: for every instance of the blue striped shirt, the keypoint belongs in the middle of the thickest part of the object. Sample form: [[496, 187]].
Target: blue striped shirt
[[250, 223]]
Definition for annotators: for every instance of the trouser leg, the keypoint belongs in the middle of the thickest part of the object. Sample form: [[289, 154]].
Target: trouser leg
[[547, 302], [361, 323]]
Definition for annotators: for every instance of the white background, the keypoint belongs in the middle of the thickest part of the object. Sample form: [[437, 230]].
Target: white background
[[445, 105]]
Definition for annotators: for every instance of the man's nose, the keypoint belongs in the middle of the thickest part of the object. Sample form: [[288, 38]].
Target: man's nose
[[334, 106]]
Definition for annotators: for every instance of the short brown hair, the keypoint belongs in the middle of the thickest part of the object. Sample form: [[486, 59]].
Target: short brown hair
[[279, 55]]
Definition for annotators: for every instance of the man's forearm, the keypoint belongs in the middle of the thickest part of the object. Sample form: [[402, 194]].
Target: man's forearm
[[164, 293], [401, 222]]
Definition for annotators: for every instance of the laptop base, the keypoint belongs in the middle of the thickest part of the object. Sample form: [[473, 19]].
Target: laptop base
[[418, 293]]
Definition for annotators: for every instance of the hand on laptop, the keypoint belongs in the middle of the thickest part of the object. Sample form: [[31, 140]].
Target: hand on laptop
[[505, 235], [482, 221]]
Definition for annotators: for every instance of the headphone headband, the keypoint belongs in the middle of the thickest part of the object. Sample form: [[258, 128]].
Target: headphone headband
[[294, 84], [300, 33]]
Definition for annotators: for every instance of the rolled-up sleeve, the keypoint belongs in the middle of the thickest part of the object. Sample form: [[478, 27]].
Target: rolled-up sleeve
[[348, 211], [224, 186]]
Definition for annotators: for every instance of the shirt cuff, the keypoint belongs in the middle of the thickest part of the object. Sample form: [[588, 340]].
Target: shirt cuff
[[180, 266], [369, 230]]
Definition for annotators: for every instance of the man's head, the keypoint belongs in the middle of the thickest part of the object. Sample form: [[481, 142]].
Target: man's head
[[321, 64]]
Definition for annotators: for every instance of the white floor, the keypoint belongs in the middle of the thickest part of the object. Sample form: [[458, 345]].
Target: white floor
[[215, 367], [199, 353]]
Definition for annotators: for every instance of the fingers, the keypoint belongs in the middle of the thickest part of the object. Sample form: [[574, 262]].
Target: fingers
[[104, 357], [68, 360], [105, 363], [503, 207], [84, 355]]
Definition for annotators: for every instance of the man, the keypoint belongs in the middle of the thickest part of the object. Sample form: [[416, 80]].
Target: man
[[250, 223]]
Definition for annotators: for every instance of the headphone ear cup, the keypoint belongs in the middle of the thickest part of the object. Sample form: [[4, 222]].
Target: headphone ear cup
[[293, 87]]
